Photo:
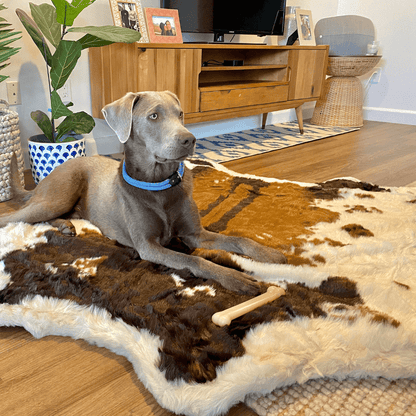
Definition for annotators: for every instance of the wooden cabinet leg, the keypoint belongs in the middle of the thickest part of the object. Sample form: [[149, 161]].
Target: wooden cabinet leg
[[263, 123], [299, 116]]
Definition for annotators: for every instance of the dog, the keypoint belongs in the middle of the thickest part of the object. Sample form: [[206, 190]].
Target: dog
[[125, 200]]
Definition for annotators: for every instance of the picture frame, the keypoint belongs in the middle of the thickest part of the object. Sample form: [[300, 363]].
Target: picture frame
[[305, 27], [163, 25], [129, 13]]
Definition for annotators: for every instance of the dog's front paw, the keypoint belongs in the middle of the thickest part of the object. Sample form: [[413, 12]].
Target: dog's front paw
[[240, 283], [64, 226], [270, 255]]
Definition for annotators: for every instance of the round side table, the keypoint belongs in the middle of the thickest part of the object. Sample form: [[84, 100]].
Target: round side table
[[341, 103]]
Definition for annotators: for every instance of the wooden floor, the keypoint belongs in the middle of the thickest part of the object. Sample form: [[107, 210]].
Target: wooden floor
[[60, 376]]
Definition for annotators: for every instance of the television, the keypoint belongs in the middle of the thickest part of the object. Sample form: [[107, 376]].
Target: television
[[250, 17]]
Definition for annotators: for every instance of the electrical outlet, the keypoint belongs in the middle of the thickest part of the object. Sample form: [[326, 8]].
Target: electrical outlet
[[376, 75], [13, 93], [65, 93]]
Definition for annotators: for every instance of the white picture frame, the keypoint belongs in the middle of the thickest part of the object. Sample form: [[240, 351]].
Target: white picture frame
[[305, 27], [129, 13]]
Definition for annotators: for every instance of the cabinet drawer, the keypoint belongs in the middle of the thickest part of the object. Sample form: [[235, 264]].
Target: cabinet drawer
[[242, 97]]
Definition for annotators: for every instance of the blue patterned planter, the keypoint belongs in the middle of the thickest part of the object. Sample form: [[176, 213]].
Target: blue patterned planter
[[45, 157]]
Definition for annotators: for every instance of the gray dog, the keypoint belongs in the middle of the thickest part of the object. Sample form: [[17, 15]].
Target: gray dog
[[145, 201]]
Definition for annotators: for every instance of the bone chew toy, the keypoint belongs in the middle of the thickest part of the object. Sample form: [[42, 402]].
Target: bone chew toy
[[225, 317]]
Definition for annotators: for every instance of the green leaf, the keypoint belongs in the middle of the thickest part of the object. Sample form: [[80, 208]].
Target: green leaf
[[7, 33], [90, 41], [45, 17], [63, 62], [59, 109], [7, 42], [44, 123], [35, 34], [110, 33], [66, 13], [79, 123], [7, 53], [3, 77]]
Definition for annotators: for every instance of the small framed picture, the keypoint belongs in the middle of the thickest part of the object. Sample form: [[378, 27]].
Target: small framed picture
[[129, 14], [163, 25], [305, 27]]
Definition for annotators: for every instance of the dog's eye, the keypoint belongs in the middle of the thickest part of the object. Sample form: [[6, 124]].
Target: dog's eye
[[181, 114], [153, 116]]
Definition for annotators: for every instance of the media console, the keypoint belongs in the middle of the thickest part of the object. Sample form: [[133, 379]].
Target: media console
[[272, 78]]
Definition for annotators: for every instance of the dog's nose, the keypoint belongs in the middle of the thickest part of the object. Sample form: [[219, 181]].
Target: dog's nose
[[187, 139]]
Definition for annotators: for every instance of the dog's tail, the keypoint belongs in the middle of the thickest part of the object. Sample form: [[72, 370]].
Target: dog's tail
[[18, 192]]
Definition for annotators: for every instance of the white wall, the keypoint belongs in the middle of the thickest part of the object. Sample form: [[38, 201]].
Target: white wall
[[393, 99]]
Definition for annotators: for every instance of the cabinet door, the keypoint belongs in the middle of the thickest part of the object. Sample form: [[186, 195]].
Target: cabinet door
[[176, 70], [307, 70]]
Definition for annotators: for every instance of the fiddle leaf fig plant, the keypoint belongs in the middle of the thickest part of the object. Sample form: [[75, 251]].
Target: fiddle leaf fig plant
[[7, 36], [47, 26]]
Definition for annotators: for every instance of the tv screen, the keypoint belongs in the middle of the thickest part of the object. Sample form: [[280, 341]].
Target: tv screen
[[261, 17]]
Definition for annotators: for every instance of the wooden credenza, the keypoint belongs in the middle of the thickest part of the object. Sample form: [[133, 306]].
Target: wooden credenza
[[272, 77]]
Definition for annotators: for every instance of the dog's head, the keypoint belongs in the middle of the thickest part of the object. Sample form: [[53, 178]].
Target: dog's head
[[152, 122]]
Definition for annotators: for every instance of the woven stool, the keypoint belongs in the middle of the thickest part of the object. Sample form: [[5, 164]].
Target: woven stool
[[9, 144], [341, 103]]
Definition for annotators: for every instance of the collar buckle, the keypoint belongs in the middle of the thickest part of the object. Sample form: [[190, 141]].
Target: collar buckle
[[175, 179]]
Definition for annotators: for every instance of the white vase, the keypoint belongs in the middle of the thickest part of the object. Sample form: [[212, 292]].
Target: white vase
[[44, 157]]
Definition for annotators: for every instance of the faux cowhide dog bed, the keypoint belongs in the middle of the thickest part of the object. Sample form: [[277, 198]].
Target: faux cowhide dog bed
[[349, 308]]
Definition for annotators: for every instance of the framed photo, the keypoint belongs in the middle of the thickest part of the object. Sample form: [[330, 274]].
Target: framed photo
[[163, 25], [129, 14], [305, 27]]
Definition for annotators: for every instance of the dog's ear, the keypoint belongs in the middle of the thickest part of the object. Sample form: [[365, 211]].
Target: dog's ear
[[173, 96], [118, 115]]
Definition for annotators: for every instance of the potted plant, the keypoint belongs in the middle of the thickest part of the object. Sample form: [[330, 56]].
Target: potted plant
[[9, 120], [48, 26]]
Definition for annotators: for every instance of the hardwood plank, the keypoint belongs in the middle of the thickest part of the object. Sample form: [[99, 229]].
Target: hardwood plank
[[382, 153], [64, 377]]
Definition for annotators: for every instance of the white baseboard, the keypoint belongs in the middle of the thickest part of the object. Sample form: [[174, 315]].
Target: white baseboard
[[390, 115]]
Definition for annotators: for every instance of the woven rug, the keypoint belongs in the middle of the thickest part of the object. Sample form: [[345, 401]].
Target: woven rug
[[246, 143], [349, 312]]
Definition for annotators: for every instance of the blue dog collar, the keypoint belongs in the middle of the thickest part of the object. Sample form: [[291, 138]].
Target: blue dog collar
[[173, 180]]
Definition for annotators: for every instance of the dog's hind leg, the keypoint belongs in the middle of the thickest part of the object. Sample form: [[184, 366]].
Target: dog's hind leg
[[55, 195]]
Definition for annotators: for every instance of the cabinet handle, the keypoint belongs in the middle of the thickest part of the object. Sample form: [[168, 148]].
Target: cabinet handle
[[289, 73]]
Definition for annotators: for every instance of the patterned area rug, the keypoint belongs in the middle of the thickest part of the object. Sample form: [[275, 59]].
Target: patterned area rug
[[349, 310], [252, 142]]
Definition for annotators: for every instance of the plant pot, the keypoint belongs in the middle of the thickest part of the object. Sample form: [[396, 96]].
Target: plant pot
[[45, 156], [9, 144]]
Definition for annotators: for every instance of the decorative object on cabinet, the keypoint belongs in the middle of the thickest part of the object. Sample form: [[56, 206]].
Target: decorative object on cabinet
[[129, 14], [163, 25], [305, 27], [290, 24]]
